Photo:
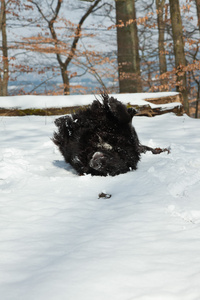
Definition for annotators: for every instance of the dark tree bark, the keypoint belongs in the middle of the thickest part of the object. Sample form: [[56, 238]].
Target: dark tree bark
[[180, 61], [198, 11], [128, 47], [4, 48], [161, 32], [197, 102]]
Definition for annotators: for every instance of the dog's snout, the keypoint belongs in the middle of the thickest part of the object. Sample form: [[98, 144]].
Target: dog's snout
[[96, 160]]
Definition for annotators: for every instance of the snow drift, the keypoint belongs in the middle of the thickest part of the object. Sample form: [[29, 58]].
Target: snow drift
[[59, 241]]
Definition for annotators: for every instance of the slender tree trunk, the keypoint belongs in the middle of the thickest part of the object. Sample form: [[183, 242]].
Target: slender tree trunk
[[128, 47], [65, 78], [135, 44], [161, 32], [198, 11], [74, 46], [180, 61], [4, 63], [197, 102], [64, 65]]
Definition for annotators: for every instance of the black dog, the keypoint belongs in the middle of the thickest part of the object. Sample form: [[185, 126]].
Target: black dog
[[101, 139]]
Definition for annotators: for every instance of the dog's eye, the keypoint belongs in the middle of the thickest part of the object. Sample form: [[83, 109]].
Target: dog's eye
[[103, 144], [76, 159]]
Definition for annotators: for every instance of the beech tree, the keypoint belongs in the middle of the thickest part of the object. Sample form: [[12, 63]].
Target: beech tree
[[160, 6], [65, 64], [4, 65], [153, 77], [128, 47], [10, 20], [68, 52], [198, 11], [180, 61]]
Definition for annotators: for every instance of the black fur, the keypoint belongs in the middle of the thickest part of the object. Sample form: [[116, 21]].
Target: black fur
[[101, 139]]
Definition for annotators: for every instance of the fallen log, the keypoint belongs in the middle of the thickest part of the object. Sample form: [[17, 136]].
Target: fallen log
[[148, 111], [156, 106], [166, 99]]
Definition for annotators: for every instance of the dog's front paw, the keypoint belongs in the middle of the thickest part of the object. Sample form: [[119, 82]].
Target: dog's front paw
[[119, 110]]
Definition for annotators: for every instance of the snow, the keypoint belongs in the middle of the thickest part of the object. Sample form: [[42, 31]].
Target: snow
[[59, 240], [24, 102]]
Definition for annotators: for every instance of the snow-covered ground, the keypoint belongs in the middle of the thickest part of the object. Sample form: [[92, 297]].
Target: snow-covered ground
[[59, 241]]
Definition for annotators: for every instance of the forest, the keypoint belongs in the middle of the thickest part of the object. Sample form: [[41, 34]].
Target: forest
[[57, 47]]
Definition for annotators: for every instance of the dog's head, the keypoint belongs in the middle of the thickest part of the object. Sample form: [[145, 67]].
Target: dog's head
[[107, 163], [112, 161]]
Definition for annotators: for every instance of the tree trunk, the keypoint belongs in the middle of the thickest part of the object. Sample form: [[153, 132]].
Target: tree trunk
[[128, 47], [4, 65], [180, 61], [198, 11], [65, 78], [197, 102], [161, 32]]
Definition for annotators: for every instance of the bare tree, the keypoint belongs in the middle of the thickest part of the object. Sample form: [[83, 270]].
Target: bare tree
[[198, 11], [4, 49], [160, 4], [180, 61], [128, 47], [64, 64]]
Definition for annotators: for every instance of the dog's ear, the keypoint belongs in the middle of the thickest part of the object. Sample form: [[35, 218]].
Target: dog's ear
[[58, 122], [105, 98], [132, 112]]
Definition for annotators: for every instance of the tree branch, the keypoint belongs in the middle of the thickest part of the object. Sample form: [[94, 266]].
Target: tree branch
[[36, 87], [78, 32], [50, 25], [52, 30], [40, 11]]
